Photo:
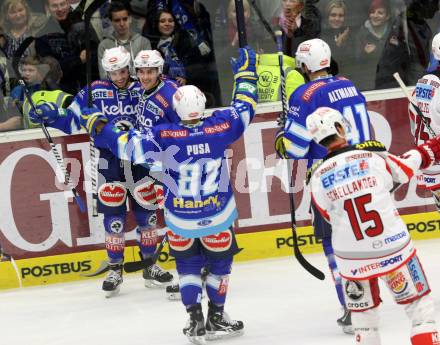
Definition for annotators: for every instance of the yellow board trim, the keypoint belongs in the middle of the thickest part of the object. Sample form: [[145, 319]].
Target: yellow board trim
[[257, 245]]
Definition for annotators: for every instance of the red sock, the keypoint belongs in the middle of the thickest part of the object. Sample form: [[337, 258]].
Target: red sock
[[431, 338]]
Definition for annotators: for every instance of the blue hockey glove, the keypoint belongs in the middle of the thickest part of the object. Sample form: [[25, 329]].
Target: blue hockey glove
[[90, 119], [47, 113], [245, 66], [280, 148]]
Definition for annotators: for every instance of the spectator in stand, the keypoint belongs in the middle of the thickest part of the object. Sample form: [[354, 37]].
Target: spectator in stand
[[8, 121], [63, 37], [408, 46], [300, 21], [200, 64], [99, 25], [18, 23], [120, 18], [39, 74], [371, 40], [339, 36], [172, 43]]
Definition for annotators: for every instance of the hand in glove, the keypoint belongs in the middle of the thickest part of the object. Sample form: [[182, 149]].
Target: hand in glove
[[280, 148], [46, 113], [245, 66], [92, 120]]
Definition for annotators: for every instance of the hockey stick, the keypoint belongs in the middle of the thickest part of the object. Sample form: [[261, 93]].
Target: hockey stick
[[88, 13], [6, 257], [103, 267], [413, 103], [16, 60], [263, 20], [298, 255], [241, 25], [138, 265]]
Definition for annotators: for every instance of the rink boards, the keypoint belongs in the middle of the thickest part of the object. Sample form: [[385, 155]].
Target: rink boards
[[258, 245], [51, 241]]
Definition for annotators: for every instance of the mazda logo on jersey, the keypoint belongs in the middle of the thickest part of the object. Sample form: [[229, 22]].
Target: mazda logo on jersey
[[56, 269]]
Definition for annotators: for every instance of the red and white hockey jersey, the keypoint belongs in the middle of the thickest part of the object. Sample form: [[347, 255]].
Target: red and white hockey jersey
[[427, 96], [351, 189]]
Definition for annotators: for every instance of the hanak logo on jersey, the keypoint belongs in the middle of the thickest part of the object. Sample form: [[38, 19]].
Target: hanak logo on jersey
[[102, 94], [377, 265], [118, 109], [219, 128], [344, 173]]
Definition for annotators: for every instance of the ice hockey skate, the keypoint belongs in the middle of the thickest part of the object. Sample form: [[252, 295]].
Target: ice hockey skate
[[219, 325], [113, 280], [173, 291], [155, 276], [195, 328], [345, 322]]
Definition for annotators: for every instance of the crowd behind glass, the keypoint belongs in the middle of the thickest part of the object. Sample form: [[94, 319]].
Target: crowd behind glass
[[370, 40]]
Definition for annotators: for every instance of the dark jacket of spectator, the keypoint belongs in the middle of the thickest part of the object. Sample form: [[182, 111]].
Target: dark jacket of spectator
[[64, 40]]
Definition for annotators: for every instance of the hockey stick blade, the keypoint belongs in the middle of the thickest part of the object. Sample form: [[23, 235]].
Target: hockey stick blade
[[135, 266], [138, 265], [104, 267], [303, 262]]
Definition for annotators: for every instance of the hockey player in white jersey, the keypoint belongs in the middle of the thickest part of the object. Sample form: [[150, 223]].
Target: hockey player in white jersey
[[351, 189], [427, 96]]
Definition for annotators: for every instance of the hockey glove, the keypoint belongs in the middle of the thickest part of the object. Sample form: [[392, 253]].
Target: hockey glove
[[280, 148], [245, 66], [430, 152], [46, 113], [90, 119]]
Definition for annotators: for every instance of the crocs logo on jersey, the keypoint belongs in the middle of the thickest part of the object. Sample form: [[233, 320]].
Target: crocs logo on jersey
[[397, 282], [112, 194], [354, 290], [179, 243], [218, 242], [118, 109]]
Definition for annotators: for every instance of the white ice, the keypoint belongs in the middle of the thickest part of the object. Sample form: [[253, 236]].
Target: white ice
[[278, 301]]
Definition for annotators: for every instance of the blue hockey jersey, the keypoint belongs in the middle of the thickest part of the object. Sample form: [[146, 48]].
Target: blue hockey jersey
[[156, 107], [198, 196], [118, 105], [333, 92]]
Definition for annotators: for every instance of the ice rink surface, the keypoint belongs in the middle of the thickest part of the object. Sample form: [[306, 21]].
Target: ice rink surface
[[278, 301]]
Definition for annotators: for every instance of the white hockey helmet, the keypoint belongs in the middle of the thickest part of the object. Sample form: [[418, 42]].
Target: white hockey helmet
[[189, 102], [315, 54], [435, 46], [115, 58], [322, 123], [149, 58]]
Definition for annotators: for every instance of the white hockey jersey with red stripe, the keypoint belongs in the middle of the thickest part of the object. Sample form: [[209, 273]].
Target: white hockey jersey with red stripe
[[351, 189], [427, 96]]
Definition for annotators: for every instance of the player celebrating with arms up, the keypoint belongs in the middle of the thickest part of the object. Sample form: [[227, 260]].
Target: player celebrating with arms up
[[351, 189]]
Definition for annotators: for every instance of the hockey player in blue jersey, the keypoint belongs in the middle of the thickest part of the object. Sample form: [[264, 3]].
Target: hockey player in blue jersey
[[199, 203], [294, 141], [117, 98]]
